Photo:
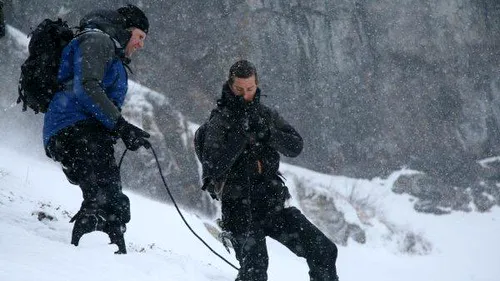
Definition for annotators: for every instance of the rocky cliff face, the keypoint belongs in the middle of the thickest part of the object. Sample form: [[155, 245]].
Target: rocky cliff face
[[172, 137], [372, 86]]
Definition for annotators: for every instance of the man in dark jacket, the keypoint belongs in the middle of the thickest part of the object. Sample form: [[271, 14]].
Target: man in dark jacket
[[84, 120], [239, 150]]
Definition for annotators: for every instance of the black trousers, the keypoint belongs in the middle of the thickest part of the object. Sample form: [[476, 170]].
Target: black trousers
[[86, 153], [292, 229]]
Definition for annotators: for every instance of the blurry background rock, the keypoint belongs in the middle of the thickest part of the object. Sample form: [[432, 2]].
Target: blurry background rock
[[2, 21]]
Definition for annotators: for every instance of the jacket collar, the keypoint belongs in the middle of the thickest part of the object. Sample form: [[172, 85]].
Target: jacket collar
[[109, 22], [234, 102]]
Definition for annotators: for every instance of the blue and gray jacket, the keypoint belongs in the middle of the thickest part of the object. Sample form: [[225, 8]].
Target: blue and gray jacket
[[93, 75]]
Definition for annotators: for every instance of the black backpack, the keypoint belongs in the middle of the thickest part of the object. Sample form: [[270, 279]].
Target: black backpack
[[38, 81], [199, 139]]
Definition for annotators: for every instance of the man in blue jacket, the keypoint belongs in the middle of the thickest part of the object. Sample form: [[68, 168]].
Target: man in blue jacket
[[84, 120]]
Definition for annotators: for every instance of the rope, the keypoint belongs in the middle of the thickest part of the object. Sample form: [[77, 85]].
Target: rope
[[177, 207]]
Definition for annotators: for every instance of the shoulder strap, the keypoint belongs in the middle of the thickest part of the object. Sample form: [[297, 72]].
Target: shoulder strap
[[119, 49]]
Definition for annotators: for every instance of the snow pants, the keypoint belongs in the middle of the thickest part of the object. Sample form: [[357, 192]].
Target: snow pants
[[86, 153], [292, 229]]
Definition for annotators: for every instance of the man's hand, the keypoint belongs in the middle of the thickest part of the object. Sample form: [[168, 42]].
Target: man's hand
[[132, 136], [259, 126]]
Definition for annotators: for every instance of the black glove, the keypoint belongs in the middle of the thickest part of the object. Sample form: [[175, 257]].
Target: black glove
[[259, 126], [210, 186], [132, 136]]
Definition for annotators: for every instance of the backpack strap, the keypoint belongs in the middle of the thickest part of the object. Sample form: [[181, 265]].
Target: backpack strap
[[119, 49], [281, 177]]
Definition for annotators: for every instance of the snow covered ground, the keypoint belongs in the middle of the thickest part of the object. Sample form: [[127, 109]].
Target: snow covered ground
[[36, 203], [465, 245]]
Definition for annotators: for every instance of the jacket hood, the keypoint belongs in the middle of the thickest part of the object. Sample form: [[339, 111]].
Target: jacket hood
[[110, 22], [234, 102]]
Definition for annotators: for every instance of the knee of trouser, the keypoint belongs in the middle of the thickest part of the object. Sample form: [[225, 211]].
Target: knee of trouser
[[252, 274], [327, 253], [71, 175], [114, 202], [121, 207], [333, 250]]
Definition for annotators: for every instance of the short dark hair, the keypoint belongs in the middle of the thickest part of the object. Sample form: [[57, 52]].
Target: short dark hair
[[242, 69]]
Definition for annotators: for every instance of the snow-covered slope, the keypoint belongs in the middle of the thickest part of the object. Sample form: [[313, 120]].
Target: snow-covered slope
[[36, 203], [36, 248]]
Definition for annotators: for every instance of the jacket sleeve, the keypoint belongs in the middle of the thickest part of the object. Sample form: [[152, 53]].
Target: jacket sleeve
[[222, 145], [283, 137], [97, 51]]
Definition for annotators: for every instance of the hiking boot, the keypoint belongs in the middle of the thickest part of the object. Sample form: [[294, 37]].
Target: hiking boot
[[86, 223], [115, 233]]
